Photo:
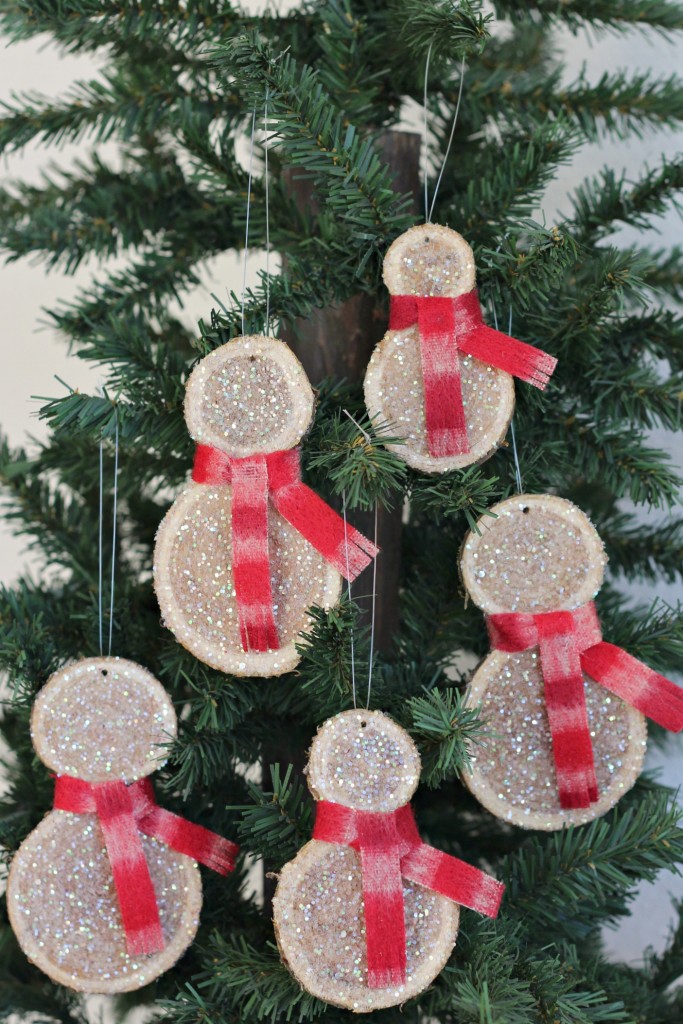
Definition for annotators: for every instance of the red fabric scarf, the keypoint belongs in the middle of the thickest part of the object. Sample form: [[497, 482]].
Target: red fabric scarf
[[446, 327], [123, 813], [255, 481], [390, 849], [571, 644]]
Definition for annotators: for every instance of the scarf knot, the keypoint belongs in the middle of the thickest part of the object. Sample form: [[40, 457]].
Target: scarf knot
[[275, 479], [570, 644], [124, 812], [391, 849], [446, 328]]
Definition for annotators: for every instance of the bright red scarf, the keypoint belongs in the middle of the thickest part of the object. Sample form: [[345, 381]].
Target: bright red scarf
[[276, 478], [447, 327], [390, 849], [123, 813], [571, 644]]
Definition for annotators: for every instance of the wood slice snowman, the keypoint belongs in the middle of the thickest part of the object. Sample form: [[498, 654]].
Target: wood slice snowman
[[364, 766], [540, 555], [437, 377], [249, 397], [98, 720]]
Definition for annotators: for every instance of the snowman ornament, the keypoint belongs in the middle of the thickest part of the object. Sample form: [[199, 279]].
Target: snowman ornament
[[566, 711], [105, 894], [366, 915], [440, 377], [247, 548]]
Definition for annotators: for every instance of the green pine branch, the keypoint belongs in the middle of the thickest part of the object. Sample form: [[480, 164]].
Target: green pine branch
[[649, 552], [354, 459], [450, 31], [445, 730], [465, 493], [620, 15], [241, 981], [117, 105], [512, 178], [653, 634], [276, 824], [609, 200], [634, 394], [621, 104], [97, 211], [571, 881], [665, 274], [352, 183], [84, 25], [666, 967]]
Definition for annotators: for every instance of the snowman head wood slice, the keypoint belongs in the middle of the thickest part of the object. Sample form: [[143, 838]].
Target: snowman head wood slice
[[440, 377], [77, 910], [246, 549], [567, 731], [367, 915]]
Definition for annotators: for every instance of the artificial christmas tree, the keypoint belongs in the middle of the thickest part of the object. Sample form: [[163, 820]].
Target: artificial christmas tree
[[181, 84]]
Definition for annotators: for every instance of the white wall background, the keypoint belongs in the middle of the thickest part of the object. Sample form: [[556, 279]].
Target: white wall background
[[32, 355]]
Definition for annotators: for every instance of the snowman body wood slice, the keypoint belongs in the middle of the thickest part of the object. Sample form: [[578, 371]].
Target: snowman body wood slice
[[562, 745], [440, 377], [348, 908], [101, 721], [238, 599]]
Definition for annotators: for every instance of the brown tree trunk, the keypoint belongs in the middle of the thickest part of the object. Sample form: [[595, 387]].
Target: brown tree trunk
[[338, 342]]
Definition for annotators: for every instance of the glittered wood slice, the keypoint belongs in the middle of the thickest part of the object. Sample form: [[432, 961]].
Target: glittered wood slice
[[429, 259], [319, 925], [513, 772], [194, 585], [248, 397], [63, 908], [364, 760], [394, 394], [100, 719], [540, 553]]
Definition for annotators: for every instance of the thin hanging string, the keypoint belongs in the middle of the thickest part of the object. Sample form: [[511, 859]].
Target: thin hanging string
[[373, 605], [518, 472], [372, 617], [99, 550], [112, 575], [450, 139], [348, 588], [429, 208], [266, 183], [518, 475], [425, 146], [246, 229]]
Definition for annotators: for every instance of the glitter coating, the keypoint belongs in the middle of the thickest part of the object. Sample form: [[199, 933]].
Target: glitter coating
[[540, 554], [547, 558], [394, 392], [319, 924], [101, 719], [364, 760], [195, 590], [249, 396], [429, 259], [432, 260], [64, 912], [513, 768]]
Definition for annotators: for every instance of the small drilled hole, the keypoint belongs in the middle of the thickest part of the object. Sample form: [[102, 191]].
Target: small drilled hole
[[363, 725], [427, 239], [252, 359], [104, 672], [525, 509]]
